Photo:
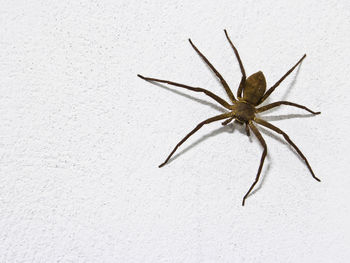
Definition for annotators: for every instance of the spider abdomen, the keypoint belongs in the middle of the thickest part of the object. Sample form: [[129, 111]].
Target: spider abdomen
[[255, 87]]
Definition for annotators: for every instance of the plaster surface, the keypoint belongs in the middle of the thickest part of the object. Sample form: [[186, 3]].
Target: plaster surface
[[81, 136]]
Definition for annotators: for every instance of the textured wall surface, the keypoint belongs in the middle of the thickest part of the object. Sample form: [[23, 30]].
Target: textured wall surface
[[81, 136]]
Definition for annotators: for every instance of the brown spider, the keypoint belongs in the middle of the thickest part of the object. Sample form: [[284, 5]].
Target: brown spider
[[243, 109]]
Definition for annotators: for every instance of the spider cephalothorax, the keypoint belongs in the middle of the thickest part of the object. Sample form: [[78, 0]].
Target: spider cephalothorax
[[244, 108]]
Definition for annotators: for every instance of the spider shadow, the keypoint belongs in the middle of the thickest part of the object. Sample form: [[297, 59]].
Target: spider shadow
[[292, 83], [203, 102], [285, 117], [287, 91], [263, 178], [280, 139], [241, 129], [230, 128]]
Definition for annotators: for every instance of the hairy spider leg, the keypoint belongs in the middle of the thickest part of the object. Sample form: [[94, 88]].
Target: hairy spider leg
[[227, 121], [223, 81], [286, 137], [200, 125], [270, 90], [247, 129], [196, 89], [262, 141], [244, 77], [278, 103]]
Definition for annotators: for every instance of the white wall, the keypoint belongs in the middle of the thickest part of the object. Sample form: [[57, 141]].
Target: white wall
[[81, 136]]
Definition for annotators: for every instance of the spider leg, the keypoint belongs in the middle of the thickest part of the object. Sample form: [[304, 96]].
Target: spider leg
[[278, 103], [227, 121], [262, 141], [230, 119], [196, 89], [212, 119], [247, 129], [223, 81], [241, 84], [286, 137], [270, 90]]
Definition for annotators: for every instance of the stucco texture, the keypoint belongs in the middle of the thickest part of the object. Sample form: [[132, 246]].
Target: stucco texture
[[81, 136]]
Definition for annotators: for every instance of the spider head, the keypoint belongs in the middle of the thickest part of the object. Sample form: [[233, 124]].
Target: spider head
[[254, 89]]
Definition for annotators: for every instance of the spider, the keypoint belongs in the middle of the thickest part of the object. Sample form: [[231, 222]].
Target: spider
[[243, 109]]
